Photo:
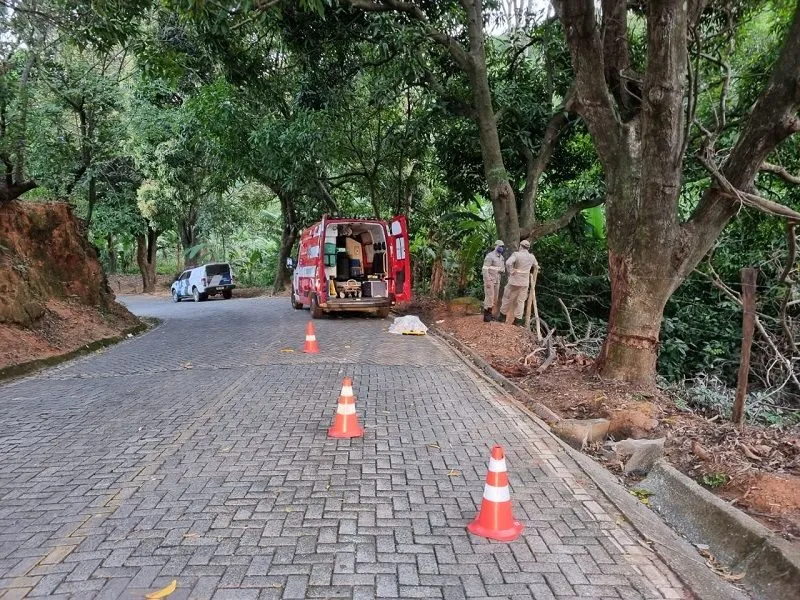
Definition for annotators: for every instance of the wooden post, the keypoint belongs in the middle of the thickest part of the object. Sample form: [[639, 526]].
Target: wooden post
[[532, 303], [749, 277]]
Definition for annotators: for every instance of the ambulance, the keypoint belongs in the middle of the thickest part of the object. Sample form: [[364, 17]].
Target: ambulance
[[359, 265]]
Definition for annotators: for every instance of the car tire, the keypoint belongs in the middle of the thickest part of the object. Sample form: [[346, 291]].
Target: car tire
[[175, 296], [296, 305], [227, 294], [196, 295], [316, 311], [382, 313]]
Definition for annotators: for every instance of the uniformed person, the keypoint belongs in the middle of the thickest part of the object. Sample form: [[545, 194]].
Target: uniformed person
[[493, 266], [519, 266]]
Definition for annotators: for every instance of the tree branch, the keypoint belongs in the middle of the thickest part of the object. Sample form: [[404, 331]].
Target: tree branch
[[780, 172], [662, 112], [14, 191], [745, 198], [538, 164], [546, 228], [457, 105], [772, 120], [615, 49], [415, 13], [593, 100]]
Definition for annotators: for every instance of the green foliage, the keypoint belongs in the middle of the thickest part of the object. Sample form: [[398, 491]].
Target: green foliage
[[714, 480]]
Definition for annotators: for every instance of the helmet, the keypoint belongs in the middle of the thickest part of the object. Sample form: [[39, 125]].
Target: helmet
[[525, 244]]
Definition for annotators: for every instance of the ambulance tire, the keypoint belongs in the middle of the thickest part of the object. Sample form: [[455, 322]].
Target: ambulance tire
[[196, 295], [296, 305], [382, 313], [316, 311]]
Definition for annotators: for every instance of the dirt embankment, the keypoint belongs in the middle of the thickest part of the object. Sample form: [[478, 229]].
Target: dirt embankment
[[756, 469], [54, 297]]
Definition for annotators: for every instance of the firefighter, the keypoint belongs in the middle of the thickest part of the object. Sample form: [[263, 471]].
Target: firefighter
[[493, 265], [519, 266]]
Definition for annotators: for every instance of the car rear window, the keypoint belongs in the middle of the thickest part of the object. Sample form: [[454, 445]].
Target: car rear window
[[212, 270]]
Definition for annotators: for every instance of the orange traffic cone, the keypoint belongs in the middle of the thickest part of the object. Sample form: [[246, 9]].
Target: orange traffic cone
[[311, 346], [346, 423], [495, 521]]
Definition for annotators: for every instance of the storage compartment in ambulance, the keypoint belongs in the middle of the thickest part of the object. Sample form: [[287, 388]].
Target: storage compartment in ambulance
[[352, 265]]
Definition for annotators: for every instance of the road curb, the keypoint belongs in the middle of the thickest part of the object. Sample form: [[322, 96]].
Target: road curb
[[769, 565], [26, 368], [680, 555]]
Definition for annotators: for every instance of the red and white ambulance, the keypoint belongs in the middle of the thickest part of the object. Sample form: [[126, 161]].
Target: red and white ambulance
[[352, 265]]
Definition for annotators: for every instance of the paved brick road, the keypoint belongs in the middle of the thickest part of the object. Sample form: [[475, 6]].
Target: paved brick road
[[198, 452]]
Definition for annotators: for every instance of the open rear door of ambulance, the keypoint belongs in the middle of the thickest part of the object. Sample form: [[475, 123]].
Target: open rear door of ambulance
[[401, 263]]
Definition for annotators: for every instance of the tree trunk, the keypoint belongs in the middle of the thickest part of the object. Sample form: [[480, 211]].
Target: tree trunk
[[92, 201], [146, 246], [630, 349], [500, 191], [438, 279], [112, 253], [187, 229], [288, 238]]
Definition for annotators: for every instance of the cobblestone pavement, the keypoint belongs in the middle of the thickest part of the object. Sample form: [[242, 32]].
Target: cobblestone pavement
[[198, 452]]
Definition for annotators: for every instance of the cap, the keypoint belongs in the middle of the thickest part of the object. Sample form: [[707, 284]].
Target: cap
[[525, 244], [498, 243]]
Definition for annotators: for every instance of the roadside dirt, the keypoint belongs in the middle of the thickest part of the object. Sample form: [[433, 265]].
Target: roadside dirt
[[65, 326], [129, 285], [757, 469], [54, 296]]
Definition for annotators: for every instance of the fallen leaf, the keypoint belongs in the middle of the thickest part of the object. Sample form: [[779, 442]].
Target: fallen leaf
[[434, 445], [287, 349], [163, 592], [347, 346], [453, 473], [191, 535], [734, 576]]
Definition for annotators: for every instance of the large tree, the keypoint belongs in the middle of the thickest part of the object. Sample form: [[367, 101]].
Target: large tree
[[639, 126], [459, 28]]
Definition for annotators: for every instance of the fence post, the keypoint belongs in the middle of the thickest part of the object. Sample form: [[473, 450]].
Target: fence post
[[749, 277]]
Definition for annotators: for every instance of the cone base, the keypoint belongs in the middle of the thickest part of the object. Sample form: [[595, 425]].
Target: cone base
[[501, 535], [355, 432], [311, 350]]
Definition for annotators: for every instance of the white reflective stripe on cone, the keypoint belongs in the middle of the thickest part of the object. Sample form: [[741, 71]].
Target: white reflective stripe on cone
[[346, 409], [497, 466], [496, 494], [347, 390], [311, 338]]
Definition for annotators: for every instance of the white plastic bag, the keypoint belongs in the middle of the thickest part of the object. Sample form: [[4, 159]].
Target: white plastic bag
[[408, 325]]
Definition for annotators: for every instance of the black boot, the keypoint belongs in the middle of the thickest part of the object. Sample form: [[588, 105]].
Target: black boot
[[520, 322], [501, 318], [487, 315]]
